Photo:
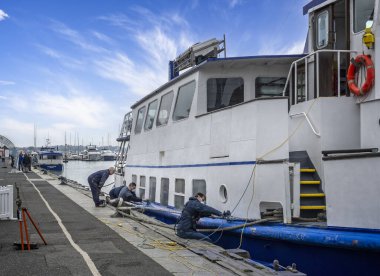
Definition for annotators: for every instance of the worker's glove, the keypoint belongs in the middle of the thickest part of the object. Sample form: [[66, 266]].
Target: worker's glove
[[226, 214]]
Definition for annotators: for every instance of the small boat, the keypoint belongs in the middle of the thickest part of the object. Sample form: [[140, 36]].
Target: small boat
[[107, 155], [49, 158], [91, 154]]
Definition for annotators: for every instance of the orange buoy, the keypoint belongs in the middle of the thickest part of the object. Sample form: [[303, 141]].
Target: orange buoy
[[370, 75]]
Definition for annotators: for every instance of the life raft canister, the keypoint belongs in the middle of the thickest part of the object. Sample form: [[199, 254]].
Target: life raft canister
[[370, 76]]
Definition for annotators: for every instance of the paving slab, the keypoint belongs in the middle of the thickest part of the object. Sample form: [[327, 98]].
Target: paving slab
[[111, 254]]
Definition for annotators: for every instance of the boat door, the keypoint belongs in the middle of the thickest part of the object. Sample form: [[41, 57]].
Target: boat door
[[330, 32]]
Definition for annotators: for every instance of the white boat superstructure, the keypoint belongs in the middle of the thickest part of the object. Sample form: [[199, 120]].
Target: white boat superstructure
[[269, 132], [107, 155], [91, 154]]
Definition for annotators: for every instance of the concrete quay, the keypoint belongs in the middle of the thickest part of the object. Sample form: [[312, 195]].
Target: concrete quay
[[85, 240]]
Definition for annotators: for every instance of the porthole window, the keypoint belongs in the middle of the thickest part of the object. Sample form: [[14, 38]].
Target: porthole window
[[223, 193]]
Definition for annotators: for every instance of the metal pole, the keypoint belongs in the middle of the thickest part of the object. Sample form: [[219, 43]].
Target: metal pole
[[306, 84], [295, 83], [338, 74], [224, 45], [317, 57], [21, 233], [26, 228], [35, 226]]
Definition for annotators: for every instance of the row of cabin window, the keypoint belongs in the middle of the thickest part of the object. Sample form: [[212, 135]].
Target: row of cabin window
[[199, 186], [221, 92], [50, 157]]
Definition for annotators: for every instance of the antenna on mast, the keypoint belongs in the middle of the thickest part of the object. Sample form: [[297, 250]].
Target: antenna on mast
[[35, 137]]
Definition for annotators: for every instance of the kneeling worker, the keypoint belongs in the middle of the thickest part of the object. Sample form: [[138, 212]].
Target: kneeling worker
[[123, 193], [194, 210], [96, 182]]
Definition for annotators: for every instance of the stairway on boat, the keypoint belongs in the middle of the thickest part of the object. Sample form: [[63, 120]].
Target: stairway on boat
[[312, 196]]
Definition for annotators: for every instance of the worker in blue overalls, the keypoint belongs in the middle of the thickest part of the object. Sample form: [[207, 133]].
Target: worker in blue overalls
[[123, 193], [96, 182], [195, 209]]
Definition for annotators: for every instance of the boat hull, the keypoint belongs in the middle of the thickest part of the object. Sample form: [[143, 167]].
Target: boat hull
[[315, 250], [51, 167], [108, 158]]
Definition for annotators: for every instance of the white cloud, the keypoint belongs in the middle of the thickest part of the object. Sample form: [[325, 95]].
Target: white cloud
[[158, 41], [3, 82], [233, 3], [17, 131], [81, 111], [74, 37], [3, 15], [138, 78], [60, 57], [102, 37], [3, 97]]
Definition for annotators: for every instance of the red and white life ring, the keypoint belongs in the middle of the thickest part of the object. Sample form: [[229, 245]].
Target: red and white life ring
[[370, 75]]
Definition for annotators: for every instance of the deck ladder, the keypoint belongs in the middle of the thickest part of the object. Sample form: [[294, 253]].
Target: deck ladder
[[123, 139], [6, 202]]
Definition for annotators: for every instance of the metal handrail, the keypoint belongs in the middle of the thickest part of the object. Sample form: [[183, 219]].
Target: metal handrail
[[304, 59], [308, 120]]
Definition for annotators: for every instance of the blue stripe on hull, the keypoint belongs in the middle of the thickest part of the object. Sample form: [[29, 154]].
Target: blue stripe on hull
[[57, 167], [195, 165]]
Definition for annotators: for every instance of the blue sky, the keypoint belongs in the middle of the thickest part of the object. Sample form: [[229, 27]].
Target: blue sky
[[77, 66]]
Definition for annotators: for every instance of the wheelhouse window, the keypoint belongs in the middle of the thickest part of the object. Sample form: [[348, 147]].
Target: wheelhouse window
[[152, 108], [140, 119], [363, 11], [222, 92], [199, 186], [269, 86], [164, 197], [164, 111], [179, 193], [142, 186], [322, 29], [152, 189], [184, 101], [134, 178]]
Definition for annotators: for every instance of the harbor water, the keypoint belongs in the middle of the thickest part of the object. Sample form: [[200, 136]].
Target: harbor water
[[80, 170]]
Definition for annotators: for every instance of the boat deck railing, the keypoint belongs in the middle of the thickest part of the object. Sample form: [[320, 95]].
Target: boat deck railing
[[305, 60]]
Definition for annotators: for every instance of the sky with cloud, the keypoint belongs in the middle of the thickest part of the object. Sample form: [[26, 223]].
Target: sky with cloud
[[77, 66]]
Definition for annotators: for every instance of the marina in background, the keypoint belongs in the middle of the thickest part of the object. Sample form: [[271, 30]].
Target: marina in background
[[79, 171]]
